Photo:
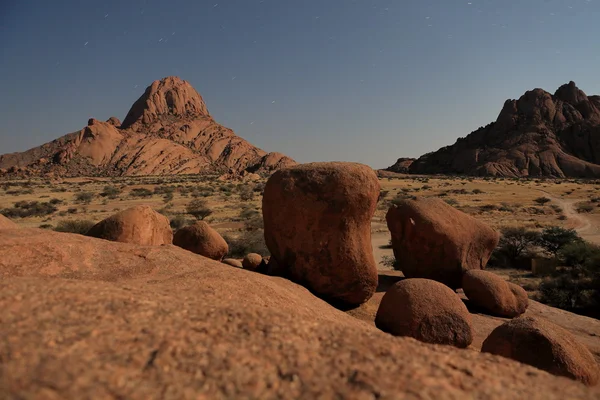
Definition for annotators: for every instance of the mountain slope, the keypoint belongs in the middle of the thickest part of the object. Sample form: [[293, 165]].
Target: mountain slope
[[538, 135], [168, 130]]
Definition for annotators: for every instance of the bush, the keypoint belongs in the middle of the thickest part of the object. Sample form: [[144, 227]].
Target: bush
[[23, 209], [112, 192], [584, 208], [141, 192], [575, 287], [198, 208], [178, 222], [554, 238], [79, 226], [246, 193], [514, 244], [84, 197], [542, 200], [247, 242]]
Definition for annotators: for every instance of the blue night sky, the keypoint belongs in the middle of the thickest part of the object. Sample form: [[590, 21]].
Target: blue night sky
[[353, 80]]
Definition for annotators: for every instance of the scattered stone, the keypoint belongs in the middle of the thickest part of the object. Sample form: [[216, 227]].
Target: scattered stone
[[317, 221], [140, 225], [252, 262], [490, 292], [427, 311], [544, 345], [201, 239], [434, 240]]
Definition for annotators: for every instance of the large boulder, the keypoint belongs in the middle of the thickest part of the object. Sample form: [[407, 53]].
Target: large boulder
[[544, 345], [201, 239], [139, 225], [493, 294], [88, 318], [318, 228], [427, 311], [6, 223], [434, 240]]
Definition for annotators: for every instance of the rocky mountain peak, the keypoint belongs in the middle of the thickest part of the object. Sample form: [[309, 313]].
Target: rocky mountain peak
[[169, 96]]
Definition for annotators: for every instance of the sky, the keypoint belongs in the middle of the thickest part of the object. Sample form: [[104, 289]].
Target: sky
[[319, 80]]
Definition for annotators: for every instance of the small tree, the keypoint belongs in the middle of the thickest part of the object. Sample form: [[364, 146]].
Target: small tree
[[554, 238], [514, 243], [198, 208]]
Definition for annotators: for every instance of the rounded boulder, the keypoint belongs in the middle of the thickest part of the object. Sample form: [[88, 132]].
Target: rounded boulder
[[201, 239], [233, 262], [317, 222], [493, 294], [434, 240], [544, 345], [252, 262], [139, 225], [426, 310]]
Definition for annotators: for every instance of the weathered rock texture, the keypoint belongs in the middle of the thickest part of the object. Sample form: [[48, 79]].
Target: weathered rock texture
[[252, 262], [201, 239], [317, 221], [490, 292], [436, 241], [85, 318], [402, 165], [6, 223], [537, 342], [538, 135], [139, 225], [167, 131], [426, 310]]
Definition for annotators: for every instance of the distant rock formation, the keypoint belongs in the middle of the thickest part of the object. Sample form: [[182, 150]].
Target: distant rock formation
[[401, 166], [539, 135], [167, 131]]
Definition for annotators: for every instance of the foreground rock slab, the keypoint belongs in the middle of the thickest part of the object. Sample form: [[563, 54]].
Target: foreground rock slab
[[6, 223], [427, 311], [139, 225], [540, 343], [434, 240], [147, 322], [318, 228]]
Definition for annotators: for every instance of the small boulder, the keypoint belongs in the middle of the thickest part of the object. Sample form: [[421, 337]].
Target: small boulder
[[201, 239], [317, 221], [6, 223], [114, 121], [544, 345], [427, 311], [434, 240], [139, 225], [490, 292], [233, 262], [252, 262]]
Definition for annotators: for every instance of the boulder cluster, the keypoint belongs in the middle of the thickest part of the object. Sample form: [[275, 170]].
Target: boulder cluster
[[317, 228]]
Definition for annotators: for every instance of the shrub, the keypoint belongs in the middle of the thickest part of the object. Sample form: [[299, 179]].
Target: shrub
[[168, 197], [198, 208], [477, 191], [178, 222], [84, 197], [246, 193], [24, 209], [584, 208], [112, 192], [79, 226], [488, 207], [554, 238], [452, 202], [576, 287], [141, 192], [247, 242], [514, 244], [542, 200], [45, 226]]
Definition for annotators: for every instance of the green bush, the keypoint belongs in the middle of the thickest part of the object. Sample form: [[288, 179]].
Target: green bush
[[554, 238], [84, 197], [198, 208], [542, 200], [178, 222], [24, 209], [112, 192], [141, 192], [246, 193], [79, 226], [585, 208], [514, 244]]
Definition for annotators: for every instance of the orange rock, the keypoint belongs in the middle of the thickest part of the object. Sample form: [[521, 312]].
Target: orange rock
[[140, 225], [436, 241], [490, 292], [317, 221], [201, 239], [6, 223]]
